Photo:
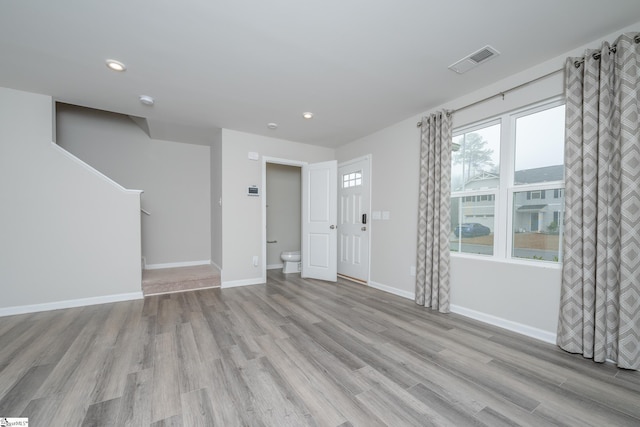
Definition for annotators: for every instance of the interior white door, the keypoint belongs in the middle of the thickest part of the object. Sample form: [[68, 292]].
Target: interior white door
[[319, 220], [354, 219]]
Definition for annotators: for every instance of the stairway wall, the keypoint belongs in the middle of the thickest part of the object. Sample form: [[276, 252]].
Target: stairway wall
[[175, 178], [68, 236]]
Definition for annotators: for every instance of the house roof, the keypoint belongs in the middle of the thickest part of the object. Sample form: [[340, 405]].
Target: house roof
[[531, 208], [526, 176], [545, 174]]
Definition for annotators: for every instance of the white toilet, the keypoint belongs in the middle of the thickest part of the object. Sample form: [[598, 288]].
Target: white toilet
[[291, 261]]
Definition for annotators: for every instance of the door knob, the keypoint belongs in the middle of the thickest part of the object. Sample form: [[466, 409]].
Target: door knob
[[363, 229], [332, 227]]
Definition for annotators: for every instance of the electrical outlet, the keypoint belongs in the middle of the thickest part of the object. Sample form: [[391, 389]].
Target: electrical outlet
[[412, 270], [255, 260]]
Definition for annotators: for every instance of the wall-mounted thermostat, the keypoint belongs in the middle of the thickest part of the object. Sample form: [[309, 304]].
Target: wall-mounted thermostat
[[253, 190]]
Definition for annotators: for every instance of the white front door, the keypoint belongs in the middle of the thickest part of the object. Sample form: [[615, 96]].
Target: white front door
[[354, 219], [319, 215]]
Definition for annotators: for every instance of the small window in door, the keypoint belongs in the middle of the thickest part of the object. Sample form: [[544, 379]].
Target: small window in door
[[353, 179]]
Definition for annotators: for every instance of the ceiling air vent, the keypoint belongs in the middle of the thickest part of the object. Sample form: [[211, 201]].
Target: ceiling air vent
[[474, 59]]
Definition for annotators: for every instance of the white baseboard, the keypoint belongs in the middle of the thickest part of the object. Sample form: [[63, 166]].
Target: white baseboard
[[177, 264], [395, 291], [216, 266], [243, 282], [274, 266], [57, 305], [510, 325]]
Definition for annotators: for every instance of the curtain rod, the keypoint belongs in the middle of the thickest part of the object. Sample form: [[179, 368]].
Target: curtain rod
[[502, 94], [612, 49]]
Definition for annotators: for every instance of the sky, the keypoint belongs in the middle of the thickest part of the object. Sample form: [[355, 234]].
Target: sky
[[539, 141]]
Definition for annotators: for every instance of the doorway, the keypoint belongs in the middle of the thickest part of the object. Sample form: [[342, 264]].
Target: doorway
[[354, 221], [275, 237], [283, 209]]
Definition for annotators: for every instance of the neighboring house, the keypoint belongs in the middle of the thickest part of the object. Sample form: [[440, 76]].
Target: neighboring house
[[539, 210], [535, 211], [478, 208]]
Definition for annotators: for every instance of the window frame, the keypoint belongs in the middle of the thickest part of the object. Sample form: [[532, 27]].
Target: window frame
[[504, 193]]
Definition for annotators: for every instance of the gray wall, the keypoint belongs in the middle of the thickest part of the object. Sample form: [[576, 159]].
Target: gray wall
[[175, 178], [283, 192], [69, 236]]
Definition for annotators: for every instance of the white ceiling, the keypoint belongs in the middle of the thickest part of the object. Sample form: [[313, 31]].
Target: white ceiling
[[238, 64]]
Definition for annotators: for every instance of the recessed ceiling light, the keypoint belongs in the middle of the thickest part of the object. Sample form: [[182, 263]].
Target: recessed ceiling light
[[272, 125], [146, 100], [307, 115], [116, 65]]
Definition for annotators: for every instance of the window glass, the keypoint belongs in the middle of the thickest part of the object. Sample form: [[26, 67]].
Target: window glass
[[353, 179], [472, 222], [540, 147], [475, 160], [537, 225]]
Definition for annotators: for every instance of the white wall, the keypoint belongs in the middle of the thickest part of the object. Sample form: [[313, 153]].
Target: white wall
[[283, 191], [520, 296], [242, 214], [68, 235], [216, 199], [175, 178], [517, 295], [394, 188]]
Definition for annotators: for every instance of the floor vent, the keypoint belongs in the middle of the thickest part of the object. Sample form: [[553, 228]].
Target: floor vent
[[474, 59]]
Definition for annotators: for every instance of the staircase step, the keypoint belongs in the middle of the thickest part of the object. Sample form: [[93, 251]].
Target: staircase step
[[179, 279]]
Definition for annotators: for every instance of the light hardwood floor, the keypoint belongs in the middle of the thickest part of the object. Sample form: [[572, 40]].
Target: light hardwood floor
[[294, 352]]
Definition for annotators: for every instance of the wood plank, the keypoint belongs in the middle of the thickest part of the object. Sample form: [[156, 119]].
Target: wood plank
[[135, 403], [197, 409], [165, 391]]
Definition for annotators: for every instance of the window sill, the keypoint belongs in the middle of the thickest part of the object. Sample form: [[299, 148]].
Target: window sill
[[550, 265]]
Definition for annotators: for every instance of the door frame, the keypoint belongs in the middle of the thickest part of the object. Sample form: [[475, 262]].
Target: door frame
[[368, 158], [263, 204]]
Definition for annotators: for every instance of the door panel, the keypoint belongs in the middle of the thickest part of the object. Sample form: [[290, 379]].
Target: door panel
[[354, 190], [319, 219]]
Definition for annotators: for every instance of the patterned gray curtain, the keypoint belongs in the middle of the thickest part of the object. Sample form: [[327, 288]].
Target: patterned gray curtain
[[600, 295], [432, 270]]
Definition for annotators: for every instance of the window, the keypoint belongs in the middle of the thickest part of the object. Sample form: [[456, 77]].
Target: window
[[507, 185], [474, 178], [534, 195], [353, 179]]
